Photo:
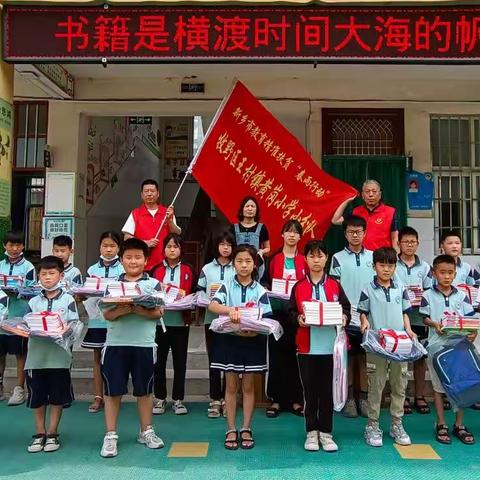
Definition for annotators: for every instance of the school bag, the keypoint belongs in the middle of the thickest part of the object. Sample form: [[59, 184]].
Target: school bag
[[457, 365]]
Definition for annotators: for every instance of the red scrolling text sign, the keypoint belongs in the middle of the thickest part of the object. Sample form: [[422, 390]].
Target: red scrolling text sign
[[248, 152]]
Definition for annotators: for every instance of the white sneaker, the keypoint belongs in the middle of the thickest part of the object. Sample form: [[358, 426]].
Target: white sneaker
[[109, 447], [18, 397], [51, 444], [373, 435], [311, 441], [37, 444], [150, 439], [179, 408], [398, 433], [326, 440], [159, 406]]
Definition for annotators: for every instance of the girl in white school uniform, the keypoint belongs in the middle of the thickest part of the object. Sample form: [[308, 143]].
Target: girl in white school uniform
[[211, 277], [244, 353], [108, 266]]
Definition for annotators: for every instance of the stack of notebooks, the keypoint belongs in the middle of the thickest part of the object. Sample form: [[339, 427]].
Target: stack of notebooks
[[471, 291], [283, 287], [49, 323], [455, 323], [11, 282], [322, 314], [172, 293], [415, 293], [395, 341], [94, 286], [123, 289]]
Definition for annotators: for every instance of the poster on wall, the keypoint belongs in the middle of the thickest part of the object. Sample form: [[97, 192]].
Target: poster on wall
[[178, 148], [419, 190], [6, 116]]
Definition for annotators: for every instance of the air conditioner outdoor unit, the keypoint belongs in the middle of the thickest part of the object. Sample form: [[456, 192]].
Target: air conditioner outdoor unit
[[41, 81]]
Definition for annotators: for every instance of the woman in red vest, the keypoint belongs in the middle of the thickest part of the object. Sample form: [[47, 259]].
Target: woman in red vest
[[144, 222], [172, 271], [315, 347], [283, 386]]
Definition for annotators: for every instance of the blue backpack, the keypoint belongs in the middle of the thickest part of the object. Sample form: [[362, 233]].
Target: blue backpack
[[457, 365]]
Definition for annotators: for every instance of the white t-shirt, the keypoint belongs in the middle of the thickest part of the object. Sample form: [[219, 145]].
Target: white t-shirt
[[129, 226]]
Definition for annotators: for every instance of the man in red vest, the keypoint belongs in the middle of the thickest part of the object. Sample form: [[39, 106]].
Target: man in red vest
[[144, 222], [382, 223]]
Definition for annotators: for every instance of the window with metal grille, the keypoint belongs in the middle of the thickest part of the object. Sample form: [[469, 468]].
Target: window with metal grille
[[31, 120], [455, 142], [356, 131]]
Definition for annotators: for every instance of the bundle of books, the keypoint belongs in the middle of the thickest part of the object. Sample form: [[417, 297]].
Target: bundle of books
[[471, 291], [395, 341], [214, 288], [415, 293], [49, 323], [322, 314], [172, 293], [94, 286], [451, 322], [11, 282], [282, 288], [123, 289]]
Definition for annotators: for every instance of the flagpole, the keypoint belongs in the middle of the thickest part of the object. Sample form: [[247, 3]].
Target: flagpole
[[192, 163]]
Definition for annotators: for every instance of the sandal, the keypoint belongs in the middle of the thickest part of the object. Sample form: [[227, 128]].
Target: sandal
[[441, 433], [446, 404], [246, 443], [272, 412], [231, 444], [462, 433], [97, 404], [214, 409], [407, 408], [421, 406]]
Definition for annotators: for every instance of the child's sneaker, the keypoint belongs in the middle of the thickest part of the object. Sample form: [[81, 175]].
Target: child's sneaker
[[150, 439], [398, 433], [38, 443], [51, 444], [327, 443], [373, 435], [18, 397], [179, 408], [350, 409], [311, 441], [109, 447], [159, 406]]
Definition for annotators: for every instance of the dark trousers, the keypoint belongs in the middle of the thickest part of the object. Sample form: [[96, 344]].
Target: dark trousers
[[283, 384], [316, 373], [175, 339], [217, 387]]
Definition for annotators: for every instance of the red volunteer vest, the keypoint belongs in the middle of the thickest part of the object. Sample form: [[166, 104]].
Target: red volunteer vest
[[277, 265], [379, 225], [303, 293], [146, 227]]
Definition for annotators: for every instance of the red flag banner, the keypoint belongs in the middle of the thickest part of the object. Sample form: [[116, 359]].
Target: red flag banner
[[247, 151]]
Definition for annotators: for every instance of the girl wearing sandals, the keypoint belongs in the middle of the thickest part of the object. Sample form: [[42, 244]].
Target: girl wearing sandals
[[283, 386], [108, 266], [315, 347], [244, 353], [213, 274]]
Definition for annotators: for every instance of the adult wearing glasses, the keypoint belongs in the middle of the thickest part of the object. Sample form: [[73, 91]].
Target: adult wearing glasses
[[382, 221]]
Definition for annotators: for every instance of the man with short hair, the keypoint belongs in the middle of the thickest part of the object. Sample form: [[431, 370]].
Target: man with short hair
[[382, 221], [144, 222]]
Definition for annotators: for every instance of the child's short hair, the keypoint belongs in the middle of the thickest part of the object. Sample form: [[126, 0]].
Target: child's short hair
[[224, 237], [385, 255], [14, 236], [149, 181], [354, 221], [177, 240], [134, 244], [407, 231], [293, 225], [49, 263], [443, 259], [252, 251], [315, 246], [450, 233], [63, 241], [112, 236], [243, 203]]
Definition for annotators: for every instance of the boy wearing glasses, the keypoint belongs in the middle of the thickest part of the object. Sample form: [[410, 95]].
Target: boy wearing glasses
[[413, 272], [353, 268]]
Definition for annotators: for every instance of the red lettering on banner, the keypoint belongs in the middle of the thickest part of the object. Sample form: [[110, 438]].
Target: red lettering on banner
[[232, 34], [312, 31], [265, 30], [74, 34], [441, 30], [467, 33], [394, 33], [192, 34], [152, 34], [111, 34], [352, 35]]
